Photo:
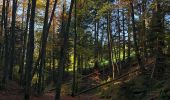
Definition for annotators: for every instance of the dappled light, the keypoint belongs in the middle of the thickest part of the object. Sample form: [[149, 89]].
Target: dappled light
[[84, 49]]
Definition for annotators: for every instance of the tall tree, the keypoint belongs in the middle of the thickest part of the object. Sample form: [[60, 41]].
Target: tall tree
[[12, 37], [109, 36], [119, 38], [22, 65], [42, 49], [124, 38], [136, 47], [96, 50], [6, 36], [144, 38], [63, 52], [157, 28], [45, 33], [30, 48], [75, 48]]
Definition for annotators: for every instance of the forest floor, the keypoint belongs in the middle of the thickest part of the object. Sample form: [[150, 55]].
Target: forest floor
[[15, 92]]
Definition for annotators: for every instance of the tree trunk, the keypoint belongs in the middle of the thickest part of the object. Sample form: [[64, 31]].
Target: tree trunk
[[12, 41], [6, 64], [29, 55], [43, 50], [111, 65], [158, 23], [124, 39], [44, 37], [119, 41], [22, 66], [96, 50], [129, 39], [135, 38], [63, 53], [75, 49], [144, 38]]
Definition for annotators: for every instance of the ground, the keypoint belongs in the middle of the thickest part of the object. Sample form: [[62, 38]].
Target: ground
[[14, 92]]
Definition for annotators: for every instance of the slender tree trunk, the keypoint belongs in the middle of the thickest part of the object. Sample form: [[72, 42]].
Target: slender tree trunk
[[6, 49], [96, 64], [45, 33], [43, 50], [63, 53], [75, 49], [53, 52], [2, 32], [12, 41], [119, 41], [158, 26], [29, 55], [101, 45], [144, 38], [23, 15], [22, 66], [124, 40], [135, 38], [110, 45], [3, 17], [42, 54], [129, 40]]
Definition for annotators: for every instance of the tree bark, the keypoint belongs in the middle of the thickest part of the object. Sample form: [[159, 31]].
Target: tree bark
[[135, 38], [12, 37], [30, 48], [43, 50], [75, 48], [124, 39], [6, 64], [63, 52], [22, 66], [109, 35]]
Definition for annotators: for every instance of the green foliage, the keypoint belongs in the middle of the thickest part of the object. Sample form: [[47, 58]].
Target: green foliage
[[104, 62]]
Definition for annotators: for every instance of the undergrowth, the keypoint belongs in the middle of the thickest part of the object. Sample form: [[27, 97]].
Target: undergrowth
[[140, 88]]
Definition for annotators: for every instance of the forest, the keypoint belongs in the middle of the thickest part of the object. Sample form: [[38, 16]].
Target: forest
[[84, 49]]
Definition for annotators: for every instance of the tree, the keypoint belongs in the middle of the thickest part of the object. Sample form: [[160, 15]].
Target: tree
[[44, 37], [12, 37], [30, 48], [88, 43], [75, 49], [135, 37], [124, 38], [109, 35], [63, 51], [22, 66], [157, 28], [42, 50], [6, 65]]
